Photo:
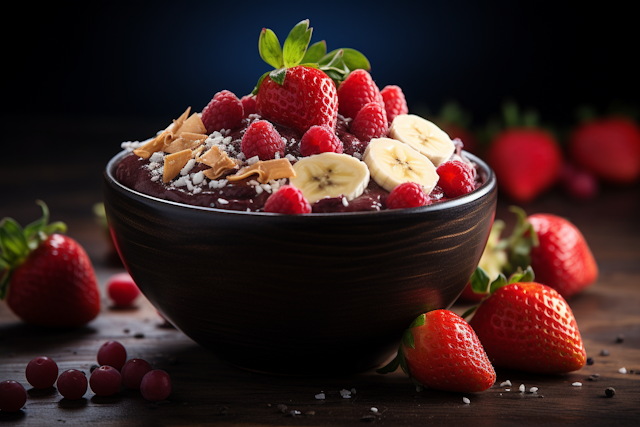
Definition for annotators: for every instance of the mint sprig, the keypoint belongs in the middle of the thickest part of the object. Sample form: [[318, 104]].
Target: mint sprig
[[337, 64]]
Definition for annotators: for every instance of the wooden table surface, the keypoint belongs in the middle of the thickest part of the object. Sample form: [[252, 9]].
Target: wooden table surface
[[208, 391]]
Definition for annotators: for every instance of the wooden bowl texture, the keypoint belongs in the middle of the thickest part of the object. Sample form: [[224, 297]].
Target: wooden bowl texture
[[313, 294]]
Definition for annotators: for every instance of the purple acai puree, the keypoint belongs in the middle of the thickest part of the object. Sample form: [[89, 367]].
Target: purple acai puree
[[145, 176]]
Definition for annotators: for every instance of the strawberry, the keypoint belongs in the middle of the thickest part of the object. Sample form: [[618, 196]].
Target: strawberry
[[48, 278], [356, 91], [609, 148], [301, 91], [394, 102], [551, 245], [440, 350], [526, 160], [527, 326]]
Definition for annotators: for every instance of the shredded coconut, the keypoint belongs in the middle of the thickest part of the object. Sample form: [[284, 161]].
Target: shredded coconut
[[187, 168], [622, 370], [345, 202], [223, 201], [374, 410], [320, 396], [197, 178], [466, 400], [506, 383], [157, 157], [345, 393], [577, 384], [521, 388], [253, 160], [533, 390]]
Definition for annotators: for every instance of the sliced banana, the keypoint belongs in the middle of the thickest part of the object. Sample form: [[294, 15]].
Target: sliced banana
[[392, 163], [424, 136], [330, 175]]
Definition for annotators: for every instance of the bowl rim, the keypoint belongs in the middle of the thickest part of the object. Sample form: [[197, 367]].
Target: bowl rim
[[476, 194]]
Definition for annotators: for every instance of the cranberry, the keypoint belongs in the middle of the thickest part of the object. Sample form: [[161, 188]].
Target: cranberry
[[579, 183], [105, 381], [13, 396], [133, 371], [42, 372], [72, 384], [112, 353], [122, 289], [156, 385]]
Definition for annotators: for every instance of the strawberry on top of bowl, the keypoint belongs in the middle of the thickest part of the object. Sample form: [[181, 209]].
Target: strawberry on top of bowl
[[318, 123]]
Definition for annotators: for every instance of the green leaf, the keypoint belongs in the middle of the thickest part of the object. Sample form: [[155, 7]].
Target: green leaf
[[269, 47], [407, 338], [391, 366], [32, 230], [470, 311], [4, 282], [278, 75], [498, 283], [418, 321], [480, 281], [354, 59], [12, 241], [315, 52], [257, 87], [522, 276], [296, 44]]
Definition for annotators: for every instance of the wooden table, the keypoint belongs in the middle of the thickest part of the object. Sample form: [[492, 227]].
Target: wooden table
[[208, 391]]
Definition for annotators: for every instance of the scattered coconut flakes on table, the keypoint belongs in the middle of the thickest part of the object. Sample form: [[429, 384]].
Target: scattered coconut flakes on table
[[577, 384], [622, 370], [374, 410], [533, 390], [466, 400], [505, 383], [320, 396], [522, 388]]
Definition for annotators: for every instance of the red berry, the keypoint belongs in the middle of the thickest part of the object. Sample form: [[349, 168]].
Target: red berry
[[42, 372], [394, 102], [306, 98], [72, 384], [13, 396], [263, 140], [579, 183], [122, 289], [370, 122], [224, 111], [113, 354], [105, 381], [249, 104], [456, 178], [133, 371], [156, 385], [287, 200], [320, 139], [407, 195], [356, 91]]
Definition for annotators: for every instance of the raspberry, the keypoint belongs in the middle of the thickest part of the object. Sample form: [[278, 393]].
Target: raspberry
[[224, 111], [287, 200], [320, 139], [394, 102], [42, 372], [263, 140], [371, 122], [249, 104], [407, 195], [456, 178], [356, 91]]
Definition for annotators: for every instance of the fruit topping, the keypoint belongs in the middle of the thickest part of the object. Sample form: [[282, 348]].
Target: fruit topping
[[456, 178], [356, 91], [394, 101], [287, 200], [263, 140], [224, 111], [423, 136], [392, 163], [407, 195], [330, 175], [370, 122], [320, 139]]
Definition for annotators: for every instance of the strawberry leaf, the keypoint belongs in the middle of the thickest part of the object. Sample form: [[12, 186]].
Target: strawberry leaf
[[418, 321], [296, 44], [278, 75], [257, 87], [522, 276], [407, 338], [13, 244], [353, 59], [269, 47], [391, 366], [498, 283], [315, 52], [480, 281]]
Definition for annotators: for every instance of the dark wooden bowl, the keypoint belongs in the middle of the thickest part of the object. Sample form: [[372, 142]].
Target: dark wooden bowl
[[305, 295]]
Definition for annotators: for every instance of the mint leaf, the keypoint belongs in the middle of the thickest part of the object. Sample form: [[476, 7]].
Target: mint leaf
[[269, 47], [296, 44], [353, 59], [315, 52], [278, 75]]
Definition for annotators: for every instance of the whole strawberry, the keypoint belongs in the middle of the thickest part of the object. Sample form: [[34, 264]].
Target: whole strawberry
[[609, 148], [440, 350], [48, 278], [526, 159], [301, 91], [529, 327]]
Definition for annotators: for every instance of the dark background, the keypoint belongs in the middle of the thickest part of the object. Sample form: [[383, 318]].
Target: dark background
[[82, 79]]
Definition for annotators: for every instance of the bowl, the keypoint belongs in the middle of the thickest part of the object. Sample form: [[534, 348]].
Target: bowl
[[312, 294]]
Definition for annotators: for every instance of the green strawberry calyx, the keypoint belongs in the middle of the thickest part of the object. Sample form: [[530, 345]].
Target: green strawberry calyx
[[16, 243], [337, 64], [400, 360]]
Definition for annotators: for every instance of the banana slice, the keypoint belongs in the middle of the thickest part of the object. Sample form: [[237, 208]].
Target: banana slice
[[330, 175], [424, 136], [392, 163]]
